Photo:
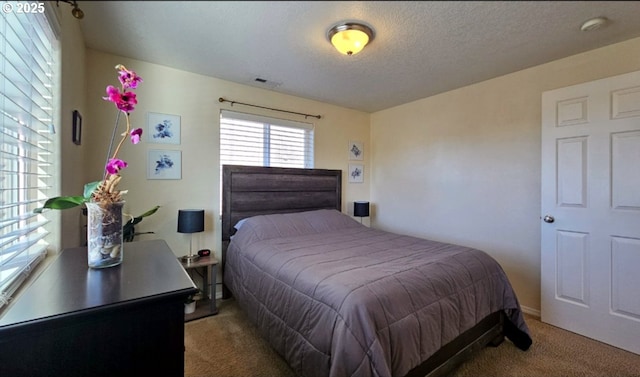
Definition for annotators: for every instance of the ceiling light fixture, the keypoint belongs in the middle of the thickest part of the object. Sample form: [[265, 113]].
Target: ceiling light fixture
[[350, 38], [76, 12], [594, 24]]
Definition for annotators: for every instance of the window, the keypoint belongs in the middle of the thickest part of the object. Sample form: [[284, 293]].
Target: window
[[259, 141], [27, 78]]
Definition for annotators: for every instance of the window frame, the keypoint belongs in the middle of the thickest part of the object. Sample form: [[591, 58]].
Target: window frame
[[29, 105], [270, 127]]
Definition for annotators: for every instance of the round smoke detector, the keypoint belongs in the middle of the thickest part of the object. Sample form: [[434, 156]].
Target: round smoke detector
[[593, 24]]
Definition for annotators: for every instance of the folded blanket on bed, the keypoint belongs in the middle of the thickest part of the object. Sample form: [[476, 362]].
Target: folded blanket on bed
[[336, 298]]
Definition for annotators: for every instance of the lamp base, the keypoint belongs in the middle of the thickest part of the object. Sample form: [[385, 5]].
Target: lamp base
[[189, 258]]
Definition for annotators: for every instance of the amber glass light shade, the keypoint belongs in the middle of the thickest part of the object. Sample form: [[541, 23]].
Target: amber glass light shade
[[350, 38]]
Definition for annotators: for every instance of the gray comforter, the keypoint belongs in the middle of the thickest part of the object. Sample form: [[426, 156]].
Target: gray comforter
[[336, 298]]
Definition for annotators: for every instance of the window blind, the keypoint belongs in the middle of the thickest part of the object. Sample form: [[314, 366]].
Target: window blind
[[27, 46], [247, 139]]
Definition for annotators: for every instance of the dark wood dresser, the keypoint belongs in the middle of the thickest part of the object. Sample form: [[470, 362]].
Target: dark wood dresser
[[126, 320]]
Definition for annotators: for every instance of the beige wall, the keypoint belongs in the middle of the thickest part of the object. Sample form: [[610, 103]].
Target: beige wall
[[464, 166], [461, 167], [72, 85], [195, 98]]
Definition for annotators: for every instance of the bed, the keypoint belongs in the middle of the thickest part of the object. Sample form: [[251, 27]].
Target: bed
[[336, 298]]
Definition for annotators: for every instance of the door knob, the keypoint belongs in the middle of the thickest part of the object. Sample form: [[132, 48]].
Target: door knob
[[548, 219]]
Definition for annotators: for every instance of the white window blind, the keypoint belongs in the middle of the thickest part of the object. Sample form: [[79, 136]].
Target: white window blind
[[27, 46], [247, 139]]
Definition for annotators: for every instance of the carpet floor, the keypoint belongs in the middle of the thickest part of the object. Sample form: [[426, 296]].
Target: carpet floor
[[227, 345]]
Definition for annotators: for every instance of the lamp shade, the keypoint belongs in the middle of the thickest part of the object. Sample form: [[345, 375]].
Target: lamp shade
[[361, 209], [190, 220], [350, 38]]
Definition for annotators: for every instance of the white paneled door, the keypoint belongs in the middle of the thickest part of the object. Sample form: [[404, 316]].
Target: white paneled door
[[590, 218]]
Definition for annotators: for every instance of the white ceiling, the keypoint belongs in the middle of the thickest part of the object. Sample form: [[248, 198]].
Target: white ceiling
[[420, 48]]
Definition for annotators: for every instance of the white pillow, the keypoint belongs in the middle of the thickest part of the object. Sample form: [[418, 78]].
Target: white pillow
[[239, 223]]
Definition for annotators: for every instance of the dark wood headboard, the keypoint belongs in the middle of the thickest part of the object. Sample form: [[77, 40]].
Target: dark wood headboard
[[254, 190]]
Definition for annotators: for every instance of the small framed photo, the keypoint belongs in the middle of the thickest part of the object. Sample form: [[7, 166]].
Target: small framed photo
[[164, 164], [356, 150], [356, 173], [76, 136], [163, 128]]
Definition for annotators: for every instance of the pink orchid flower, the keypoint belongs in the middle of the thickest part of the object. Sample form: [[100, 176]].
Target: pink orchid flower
[[128, 78], [135, 135], [124, 101], [114, 165]]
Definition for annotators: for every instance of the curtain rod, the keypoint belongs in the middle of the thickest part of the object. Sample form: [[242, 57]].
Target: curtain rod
[[268, 108]]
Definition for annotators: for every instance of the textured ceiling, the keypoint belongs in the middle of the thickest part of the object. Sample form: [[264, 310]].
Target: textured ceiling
[[420, 48]]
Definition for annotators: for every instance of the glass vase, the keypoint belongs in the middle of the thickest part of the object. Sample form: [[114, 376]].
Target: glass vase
[[104, 234]]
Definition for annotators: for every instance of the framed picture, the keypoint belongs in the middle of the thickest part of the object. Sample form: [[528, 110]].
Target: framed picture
[[163, 128], [356, 173], [355, 150], [77, 128], [164, 164]]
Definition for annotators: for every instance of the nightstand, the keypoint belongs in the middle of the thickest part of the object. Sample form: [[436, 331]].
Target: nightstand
[[206, 306]]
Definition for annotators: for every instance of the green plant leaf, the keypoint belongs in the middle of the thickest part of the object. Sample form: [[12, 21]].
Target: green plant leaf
[[61, 202], [66, 202], [89, 188], [150, 212], [129, 230]]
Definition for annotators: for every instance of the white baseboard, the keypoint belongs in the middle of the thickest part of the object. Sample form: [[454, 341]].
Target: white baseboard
[[530, 311]]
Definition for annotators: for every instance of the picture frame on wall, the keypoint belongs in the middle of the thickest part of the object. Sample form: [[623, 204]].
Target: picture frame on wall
[[164, 164], [163, 128], [76, 134], [356, 173], [356, 150]]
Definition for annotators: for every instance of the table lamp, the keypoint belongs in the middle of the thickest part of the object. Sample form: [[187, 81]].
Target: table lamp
[[190, 221], [361, 209]]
